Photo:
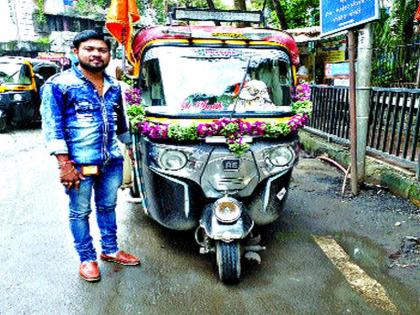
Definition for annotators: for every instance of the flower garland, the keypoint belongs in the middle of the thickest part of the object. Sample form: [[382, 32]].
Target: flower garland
[[233, 130]]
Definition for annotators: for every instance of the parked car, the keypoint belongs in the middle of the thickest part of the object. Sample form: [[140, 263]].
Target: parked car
[[20, 82]]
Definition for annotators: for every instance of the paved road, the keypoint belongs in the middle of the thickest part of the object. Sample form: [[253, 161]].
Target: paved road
[[327, 255]]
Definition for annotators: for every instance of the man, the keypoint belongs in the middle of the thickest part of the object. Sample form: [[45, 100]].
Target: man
[[83, 116]]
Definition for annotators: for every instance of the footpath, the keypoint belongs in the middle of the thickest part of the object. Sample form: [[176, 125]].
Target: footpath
[[378, 173]]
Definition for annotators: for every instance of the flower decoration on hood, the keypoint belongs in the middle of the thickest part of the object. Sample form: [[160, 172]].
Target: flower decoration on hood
[[233, 129]]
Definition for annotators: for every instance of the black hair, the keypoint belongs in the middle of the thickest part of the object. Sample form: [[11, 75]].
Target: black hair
[[90, 34]]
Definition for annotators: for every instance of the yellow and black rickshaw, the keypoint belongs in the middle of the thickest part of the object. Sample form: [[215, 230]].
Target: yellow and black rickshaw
[[20, 81]]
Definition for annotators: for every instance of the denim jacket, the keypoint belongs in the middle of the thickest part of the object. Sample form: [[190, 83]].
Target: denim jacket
[[78, 122]]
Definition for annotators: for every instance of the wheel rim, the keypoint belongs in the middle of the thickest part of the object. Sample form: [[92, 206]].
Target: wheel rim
[[228, 259]]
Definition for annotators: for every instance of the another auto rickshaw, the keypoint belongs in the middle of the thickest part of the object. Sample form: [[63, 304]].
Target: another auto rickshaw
[[215, 133], [20, 81]]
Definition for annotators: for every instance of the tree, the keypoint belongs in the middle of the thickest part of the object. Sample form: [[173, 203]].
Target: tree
[[280, 14], [240, 5], [396, 27], [393, 60], [286, 14]]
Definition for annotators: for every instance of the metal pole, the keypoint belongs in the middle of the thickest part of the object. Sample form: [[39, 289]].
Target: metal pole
[[418, 73], [352, 104], [123, 50], [363, 75]]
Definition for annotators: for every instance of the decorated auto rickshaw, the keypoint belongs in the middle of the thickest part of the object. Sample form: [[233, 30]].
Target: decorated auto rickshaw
[[216, 132], [20, 80]]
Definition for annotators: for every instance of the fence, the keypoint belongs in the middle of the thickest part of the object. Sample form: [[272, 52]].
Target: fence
[[396, 67], [393, 129]]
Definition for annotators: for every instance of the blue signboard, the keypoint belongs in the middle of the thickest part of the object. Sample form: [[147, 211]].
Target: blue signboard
[[338, 15]]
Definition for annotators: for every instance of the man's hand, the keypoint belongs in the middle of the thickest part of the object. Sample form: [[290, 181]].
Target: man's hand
[[69, 175]]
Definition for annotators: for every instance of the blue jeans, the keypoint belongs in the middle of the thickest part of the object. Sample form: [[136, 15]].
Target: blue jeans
[[106, 186]]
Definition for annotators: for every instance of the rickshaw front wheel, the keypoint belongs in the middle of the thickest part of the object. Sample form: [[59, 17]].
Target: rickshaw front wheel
[[228, 259], [134, 188], [3, 124]]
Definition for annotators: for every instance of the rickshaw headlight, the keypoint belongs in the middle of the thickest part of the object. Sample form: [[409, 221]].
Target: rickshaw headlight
[[227, 210], [173, 160], [17, 97], [281, 156]]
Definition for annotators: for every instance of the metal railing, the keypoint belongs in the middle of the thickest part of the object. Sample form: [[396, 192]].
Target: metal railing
[[331, 110], [394, 121], [396, 67]]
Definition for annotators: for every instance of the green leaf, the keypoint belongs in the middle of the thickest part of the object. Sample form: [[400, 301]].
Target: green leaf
[[182, 133]]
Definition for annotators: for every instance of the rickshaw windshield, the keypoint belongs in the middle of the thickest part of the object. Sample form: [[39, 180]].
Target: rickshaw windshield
[[14, 73], [216, 79]]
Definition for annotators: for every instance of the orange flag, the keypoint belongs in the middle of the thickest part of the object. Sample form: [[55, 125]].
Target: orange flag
[[417, 15], [119, 22]]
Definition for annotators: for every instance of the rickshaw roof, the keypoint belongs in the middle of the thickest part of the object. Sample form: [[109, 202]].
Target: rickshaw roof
[[18, 60], [13, 60], [146, 36]]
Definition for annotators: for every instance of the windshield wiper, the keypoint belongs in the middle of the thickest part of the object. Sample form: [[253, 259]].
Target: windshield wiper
[[240, 88], [7, 77]]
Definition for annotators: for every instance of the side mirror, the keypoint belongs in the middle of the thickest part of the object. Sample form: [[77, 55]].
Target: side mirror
[[38, 76]]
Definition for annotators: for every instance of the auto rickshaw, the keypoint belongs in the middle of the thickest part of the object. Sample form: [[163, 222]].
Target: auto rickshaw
[[215, 134], [20, 81]]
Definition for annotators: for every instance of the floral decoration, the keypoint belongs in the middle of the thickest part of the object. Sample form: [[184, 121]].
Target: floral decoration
[[233, 129], [302, 92]]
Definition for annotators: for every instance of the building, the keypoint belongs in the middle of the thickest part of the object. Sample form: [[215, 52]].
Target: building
[[27, 30]]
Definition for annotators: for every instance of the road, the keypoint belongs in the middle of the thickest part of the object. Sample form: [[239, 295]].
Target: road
[[328, 254]]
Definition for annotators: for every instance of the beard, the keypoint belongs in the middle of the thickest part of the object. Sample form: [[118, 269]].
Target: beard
[[93, 68]]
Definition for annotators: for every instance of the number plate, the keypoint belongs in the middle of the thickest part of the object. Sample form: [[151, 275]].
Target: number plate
[[231, 165]]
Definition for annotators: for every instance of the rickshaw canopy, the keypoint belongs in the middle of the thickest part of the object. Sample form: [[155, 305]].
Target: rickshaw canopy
[[161, 35]]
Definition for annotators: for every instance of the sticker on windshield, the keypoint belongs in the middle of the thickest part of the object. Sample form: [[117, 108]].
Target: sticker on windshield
[[201, 106], [218, 53]]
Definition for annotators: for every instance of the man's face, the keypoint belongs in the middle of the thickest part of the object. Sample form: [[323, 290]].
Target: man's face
[[93, 55]]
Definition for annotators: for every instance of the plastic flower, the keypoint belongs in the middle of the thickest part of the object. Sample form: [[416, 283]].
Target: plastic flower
[[298, 121], [133, 96], [302, 92]]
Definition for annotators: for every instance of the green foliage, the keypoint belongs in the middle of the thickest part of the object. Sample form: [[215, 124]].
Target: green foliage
[[40, 16], [396, 26], [393, 30], [135, 114], [302, 107], [91, 7], [298, 13], [159, 7], [43, 40], [131, 82], [276, 130], [180, 133], [238, 148], [229, 129]]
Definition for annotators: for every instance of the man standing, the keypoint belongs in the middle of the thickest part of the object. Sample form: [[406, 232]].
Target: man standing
[[82, 117]]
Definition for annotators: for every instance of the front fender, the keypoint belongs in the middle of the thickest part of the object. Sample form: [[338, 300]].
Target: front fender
[[226, 232]]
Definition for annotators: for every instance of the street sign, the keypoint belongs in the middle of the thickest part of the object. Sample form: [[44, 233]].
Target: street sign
[[338, 15]]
